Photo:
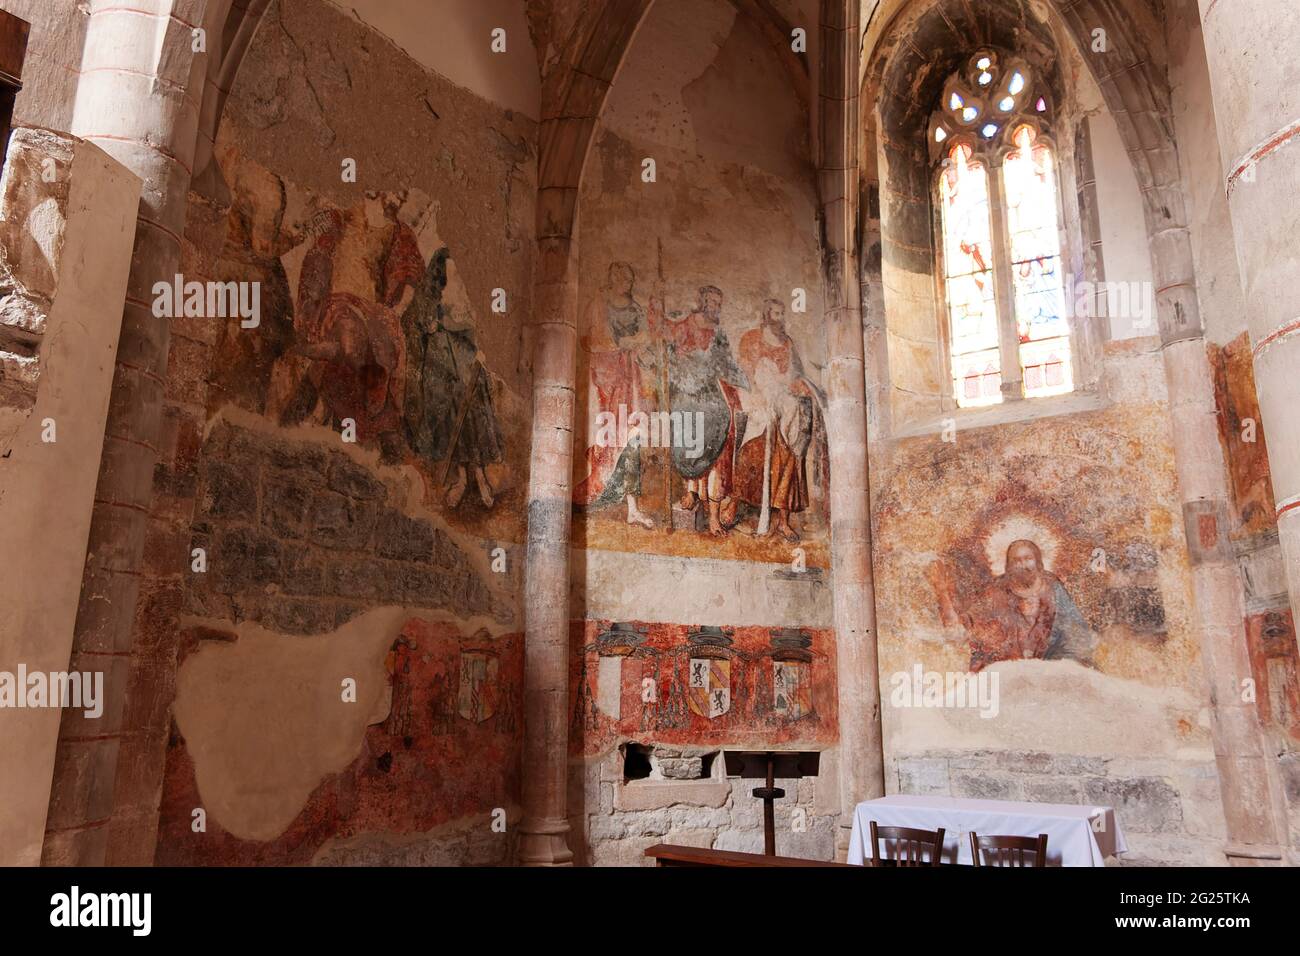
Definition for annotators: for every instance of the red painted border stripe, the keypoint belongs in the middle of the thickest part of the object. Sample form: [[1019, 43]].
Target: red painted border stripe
[[1273, 337], [1271, 145]]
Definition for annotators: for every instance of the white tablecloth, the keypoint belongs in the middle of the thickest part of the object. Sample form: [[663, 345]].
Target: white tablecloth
[[1076, 835]]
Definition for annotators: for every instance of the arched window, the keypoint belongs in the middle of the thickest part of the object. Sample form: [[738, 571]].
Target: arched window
[[1008, 332]]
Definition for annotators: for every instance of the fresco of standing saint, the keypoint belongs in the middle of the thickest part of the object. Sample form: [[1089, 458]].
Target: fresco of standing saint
[[448, 410], [1026, 613], [781, 408], [358, 276], [618, 347], [705, 384]]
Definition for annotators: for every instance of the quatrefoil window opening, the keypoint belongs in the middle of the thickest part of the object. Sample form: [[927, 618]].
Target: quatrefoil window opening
[[988, 99]]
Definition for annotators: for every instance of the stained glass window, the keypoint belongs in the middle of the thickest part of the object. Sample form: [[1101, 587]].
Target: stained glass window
[[1043, 330], [968, 268], [1002, 259]]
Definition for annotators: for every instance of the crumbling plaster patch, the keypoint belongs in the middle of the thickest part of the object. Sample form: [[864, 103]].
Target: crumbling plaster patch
[[265, 719]]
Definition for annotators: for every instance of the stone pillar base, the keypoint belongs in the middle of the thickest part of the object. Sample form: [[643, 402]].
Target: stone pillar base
[[543, 843], [1254, 854]]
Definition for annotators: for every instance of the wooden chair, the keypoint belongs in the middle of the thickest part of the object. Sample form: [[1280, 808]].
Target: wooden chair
[[910, 846], [1008, 850]]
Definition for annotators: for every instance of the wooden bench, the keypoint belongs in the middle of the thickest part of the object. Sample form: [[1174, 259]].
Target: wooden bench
[[666, 854]]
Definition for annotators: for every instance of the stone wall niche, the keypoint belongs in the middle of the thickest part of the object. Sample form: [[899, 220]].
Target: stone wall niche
[[67, 226]]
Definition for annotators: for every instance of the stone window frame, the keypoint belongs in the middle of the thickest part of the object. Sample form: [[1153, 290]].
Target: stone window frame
[[992, 153]]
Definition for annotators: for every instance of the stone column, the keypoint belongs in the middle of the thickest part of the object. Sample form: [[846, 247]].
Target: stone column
[[146, 719], [1138, 99], [1251, 47], [137, 100], [546, 575], [861, 760], [573, 93], [1247, 778]]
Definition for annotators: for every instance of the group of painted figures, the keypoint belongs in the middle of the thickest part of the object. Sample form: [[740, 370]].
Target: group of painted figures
[[377, 338], [381, 339], [761, 415]]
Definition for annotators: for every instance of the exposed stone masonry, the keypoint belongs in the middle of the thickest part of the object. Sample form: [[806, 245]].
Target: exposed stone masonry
[[1155, 799], [301, 538], [33, 201], [624, 818]]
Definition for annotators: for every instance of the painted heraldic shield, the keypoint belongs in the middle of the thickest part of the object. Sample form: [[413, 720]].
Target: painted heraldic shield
[[791, 689], [710, 686], [479, 689]]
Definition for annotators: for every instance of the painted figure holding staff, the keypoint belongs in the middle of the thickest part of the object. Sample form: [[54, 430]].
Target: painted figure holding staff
[[781, 407], [448, 409]]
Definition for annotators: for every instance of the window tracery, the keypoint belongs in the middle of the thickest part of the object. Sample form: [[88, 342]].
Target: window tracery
[[1008, 330]]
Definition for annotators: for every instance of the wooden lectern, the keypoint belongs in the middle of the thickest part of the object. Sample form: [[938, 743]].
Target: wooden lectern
[[768, 765]]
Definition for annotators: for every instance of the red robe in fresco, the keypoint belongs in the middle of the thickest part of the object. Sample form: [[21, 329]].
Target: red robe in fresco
[[352, 278], [791, 432], [615, 380]]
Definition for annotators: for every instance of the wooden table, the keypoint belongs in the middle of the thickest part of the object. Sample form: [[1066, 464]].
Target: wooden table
[[1076, 835], [666, 854]]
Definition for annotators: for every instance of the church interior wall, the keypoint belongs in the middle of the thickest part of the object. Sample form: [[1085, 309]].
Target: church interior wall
[[1269, 628], [733, 208], [1089, 479], [326, 663], [392, 301]]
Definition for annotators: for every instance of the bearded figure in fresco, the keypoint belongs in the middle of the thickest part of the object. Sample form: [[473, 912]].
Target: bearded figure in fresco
[[1026, 613], [448, 408], [772, 467], [705, 384], [358, 276], [618, 347]]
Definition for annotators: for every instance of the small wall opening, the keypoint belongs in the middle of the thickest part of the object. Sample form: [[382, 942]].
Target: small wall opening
[[653, 762], [636, 762]]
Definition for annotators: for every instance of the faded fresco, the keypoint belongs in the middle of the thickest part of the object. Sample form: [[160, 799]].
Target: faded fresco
[[690, 433], [1050, 541], [1242, 435], [358, 465], [675, 684], [369, 326], [701, 367], [1035, 611], [1024, 612], [445, 745], [1270, 630], [701, 449]]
